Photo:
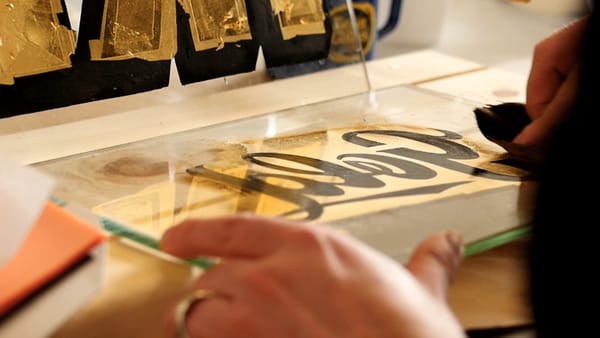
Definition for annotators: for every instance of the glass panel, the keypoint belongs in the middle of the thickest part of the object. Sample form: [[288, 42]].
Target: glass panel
[[390, 173]]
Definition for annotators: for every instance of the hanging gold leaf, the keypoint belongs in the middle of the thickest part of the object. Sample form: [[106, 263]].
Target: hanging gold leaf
[[299, 17], [216, 22], [32, 40], [145, 29]]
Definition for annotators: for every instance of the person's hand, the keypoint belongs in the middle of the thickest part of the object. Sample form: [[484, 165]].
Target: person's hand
[[278, 278], [552, 83]]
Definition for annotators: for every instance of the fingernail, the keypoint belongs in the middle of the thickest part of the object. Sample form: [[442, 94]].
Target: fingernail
[[456, 241]]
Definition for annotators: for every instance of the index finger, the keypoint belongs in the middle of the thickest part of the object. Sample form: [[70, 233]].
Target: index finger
[[553, 58], [543, 127], [233, 236]]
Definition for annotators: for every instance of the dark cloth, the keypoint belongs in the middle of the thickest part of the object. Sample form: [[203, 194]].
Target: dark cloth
[[564, 280]]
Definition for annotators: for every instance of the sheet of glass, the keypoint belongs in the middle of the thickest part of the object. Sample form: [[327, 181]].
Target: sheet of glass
[[389, 170]]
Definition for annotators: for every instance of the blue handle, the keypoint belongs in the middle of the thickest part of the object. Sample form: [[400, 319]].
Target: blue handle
[[392, 20]]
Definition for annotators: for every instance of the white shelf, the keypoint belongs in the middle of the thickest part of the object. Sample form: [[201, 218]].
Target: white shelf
[[494, 33]]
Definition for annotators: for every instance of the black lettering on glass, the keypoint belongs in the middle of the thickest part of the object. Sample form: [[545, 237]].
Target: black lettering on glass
[[451, 151], [359, 170]]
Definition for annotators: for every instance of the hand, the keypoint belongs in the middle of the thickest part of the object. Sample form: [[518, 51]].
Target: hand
[[552, 83], [278, 278]]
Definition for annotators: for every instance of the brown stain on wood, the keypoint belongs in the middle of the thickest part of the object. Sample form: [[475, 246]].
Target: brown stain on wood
[[135, 166]]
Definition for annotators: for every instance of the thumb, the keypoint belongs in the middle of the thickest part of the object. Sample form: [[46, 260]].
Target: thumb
[[435, 262]]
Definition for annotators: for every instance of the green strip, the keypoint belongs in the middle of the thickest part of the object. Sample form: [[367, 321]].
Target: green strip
[[120, 230], [497, 240], [470, 249], [148, 241], [57, 201]]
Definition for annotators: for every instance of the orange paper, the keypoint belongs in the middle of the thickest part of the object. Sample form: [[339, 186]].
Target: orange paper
[[58, 240]]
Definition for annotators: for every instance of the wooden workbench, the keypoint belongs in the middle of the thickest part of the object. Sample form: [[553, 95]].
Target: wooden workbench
[[490, 290]]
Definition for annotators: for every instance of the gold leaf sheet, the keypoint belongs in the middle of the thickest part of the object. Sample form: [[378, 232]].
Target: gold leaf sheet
[[299, 17], [216, 22], [32, 40], [145, 29]]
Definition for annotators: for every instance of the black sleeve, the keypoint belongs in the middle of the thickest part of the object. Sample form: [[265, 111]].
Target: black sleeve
[[564, 252]]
